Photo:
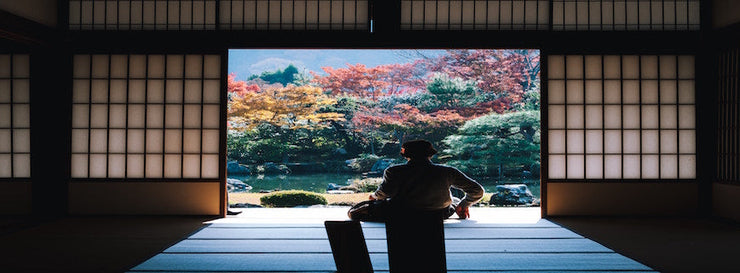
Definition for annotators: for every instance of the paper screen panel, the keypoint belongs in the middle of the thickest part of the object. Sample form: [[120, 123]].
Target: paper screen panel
[[474, 15], [142, 15], [630, 15], [145, 116], [15, 116], [635, 113], [294, 14]]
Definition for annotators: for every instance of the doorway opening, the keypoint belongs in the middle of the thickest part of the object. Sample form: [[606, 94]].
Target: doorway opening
[[324, 123]]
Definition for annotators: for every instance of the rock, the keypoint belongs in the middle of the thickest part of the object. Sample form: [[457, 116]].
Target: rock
[[379, 167], [339, 192], [458, 193], [332, 187], [245, 205], [236, 185], [233, 167], [272, 168], [382, 164], [349, 188], [512, 195]]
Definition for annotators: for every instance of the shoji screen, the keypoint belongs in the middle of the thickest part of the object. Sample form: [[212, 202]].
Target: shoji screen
[[146, 116], [621, 117], [294, 14], [475, 14], [728, 119], [230, 14], [142, 15], [726, 189], [625, 14], [15, 139]]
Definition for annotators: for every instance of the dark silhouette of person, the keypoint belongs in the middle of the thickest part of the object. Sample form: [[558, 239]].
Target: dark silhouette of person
[[420, 185]]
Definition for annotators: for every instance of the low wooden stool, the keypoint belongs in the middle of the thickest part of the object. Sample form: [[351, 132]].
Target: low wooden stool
[[348, 246], [416, 242]]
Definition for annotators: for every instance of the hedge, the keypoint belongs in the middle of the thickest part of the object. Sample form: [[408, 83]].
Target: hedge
[[292, 198]]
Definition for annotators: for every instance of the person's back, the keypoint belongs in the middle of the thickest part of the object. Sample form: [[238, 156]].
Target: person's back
[[420, 198], [424, 186]]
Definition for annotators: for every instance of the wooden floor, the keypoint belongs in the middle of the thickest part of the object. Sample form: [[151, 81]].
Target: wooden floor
[[294, 240]]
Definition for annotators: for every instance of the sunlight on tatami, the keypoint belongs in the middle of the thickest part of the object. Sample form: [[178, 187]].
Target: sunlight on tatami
[[513, 215]]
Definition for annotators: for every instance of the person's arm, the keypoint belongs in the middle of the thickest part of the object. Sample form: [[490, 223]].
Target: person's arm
[[387, 188], [473, 190]]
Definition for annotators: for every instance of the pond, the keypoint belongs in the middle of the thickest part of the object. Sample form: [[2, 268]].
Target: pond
[[309, 182], [319, 181]]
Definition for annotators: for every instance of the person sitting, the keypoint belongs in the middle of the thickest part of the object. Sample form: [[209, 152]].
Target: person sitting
[[421, 185]]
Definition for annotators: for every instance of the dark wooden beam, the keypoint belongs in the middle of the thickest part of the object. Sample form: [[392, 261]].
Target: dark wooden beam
[[597, 42]]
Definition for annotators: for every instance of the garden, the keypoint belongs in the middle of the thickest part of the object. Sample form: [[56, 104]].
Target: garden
[[330, 127]]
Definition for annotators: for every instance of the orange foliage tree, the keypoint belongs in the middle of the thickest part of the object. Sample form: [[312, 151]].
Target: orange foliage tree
[[289, 107]]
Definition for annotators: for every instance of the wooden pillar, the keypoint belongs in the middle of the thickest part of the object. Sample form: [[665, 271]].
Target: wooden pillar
[[51, 114], [386, 17], [706, 112]]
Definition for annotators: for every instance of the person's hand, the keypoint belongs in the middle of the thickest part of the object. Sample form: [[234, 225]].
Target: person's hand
[[371, 197], [462, 212]]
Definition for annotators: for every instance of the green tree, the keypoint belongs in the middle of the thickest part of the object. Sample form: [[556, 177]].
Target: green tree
[[486, 145], [263, 143], [453, 93], [289, 75], [530, 99]]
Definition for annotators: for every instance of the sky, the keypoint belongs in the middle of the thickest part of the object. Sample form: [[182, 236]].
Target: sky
[[246, 62]]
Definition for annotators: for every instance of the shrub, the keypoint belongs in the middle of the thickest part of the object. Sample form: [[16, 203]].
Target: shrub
[[344, 203], [364, 163], [292, 198], [366, 184]]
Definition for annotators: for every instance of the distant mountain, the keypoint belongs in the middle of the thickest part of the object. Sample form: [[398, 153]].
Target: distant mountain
[[247, 62]]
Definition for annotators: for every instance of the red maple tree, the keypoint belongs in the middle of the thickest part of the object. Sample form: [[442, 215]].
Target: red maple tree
[[404, 121], [239, 88], [507, 73], [373, 82]]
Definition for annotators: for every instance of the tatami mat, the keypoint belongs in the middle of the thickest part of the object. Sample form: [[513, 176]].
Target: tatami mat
[[486, 243]]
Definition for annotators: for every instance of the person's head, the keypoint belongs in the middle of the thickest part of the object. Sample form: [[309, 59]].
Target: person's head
[[417, 149]]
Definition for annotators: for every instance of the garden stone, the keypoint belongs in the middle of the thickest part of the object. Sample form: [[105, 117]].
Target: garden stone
[[233, 167], [512, 195], [245, 205], [332, 187], [379, 167], [237, 185], [382, 164], [272, 168]]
